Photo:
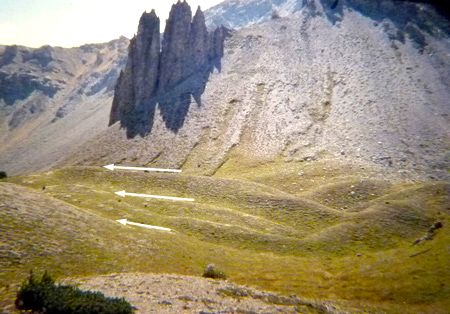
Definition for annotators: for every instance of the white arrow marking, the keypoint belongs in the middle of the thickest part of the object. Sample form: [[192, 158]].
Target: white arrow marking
[[126, 222], [112, 167], [171, 198]]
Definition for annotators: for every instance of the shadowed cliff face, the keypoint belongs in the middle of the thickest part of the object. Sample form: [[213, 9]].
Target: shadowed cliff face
[[17, 85], [412, 21], [169, 76]]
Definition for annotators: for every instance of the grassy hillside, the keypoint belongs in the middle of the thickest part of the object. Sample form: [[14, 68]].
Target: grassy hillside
[[321, 231]]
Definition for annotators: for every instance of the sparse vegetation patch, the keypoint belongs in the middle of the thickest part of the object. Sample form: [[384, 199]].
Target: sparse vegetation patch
[[42, 295], [211, 271]]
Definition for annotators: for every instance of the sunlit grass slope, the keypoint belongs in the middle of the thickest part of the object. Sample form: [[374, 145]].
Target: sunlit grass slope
[[319, 230]]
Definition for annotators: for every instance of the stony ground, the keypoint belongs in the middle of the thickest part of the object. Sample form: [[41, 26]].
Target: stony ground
[[159, 293]]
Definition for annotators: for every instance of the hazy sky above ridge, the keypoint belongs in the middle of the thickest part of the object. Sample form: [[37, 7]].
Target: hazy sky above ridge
[[69, 23]]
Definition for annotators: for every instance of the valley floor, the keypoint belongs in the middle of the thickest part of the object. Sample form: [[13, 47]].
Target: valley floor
[[327, 233]]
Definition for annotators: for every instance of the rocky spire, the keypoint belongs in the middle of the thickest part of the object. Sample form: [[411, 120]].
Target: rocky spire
[[175, 52], [199, 43], [188, 56], [146, 56], [138, 81], [216, 47]]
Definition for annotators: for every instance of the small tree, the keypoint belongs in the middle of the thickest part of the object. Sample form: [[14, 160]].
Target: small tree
[[3, 175]]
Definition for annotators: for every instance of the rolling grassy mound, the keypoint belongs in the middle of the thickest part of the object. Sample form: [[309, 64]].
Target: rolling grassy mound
[[322, 231]]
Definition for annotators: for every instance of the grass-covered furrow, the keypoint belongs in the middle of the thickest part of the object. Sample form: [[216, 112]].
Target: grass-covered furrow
[[239, 196], [274, 229]]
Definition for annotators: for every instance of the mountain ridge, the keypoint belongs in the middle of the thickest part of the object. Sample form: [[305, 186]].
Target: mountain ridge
[[229, 13], [55, 99], [301, 88]]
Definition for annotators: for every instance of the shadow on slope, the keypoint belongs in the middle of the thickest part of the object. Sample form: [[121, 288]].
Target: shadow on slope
[[408, 17], [173, 106], [173, 101]]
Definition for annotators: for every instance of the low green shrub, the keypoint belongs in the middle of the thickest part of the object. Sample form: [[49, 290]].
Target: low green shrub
[[212, 272], [44, 296], [3, 174]]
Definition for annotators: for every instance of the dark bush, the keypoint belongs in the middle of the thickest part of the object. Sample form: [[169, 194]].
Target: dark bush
[[3, 174], [44, 296]]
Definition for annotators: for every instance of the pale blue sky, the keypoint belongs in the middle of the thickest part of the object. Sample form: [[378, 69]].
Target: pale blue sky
[[69, 23]]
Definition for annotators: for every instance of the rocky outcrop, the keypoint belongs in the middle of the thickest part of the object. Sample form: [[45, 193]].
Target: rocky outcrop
[[19, 85], [168, 76], [199, 41], [216, 46], [175, 48], [146, 57], [138, 81]]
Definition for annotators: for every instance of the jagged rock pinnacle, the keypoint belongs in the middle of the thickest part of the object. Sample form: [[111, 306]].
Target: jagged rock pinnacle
[[138, 81], [199, 46], [154, 68], [175, 47]]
